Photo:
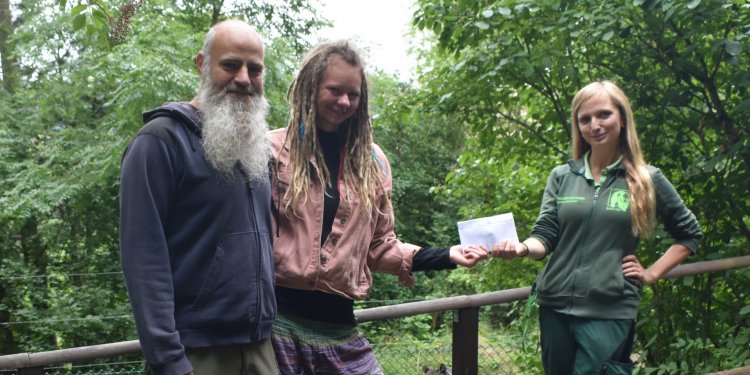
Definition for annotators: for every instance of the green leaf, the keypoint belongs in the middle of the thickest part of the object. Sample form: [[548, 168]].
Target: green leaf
[[78, 9], [733, 47], [693, 4], [482, 25], [79, 22], [504, 11], [745, 310], [102, 5], [687, 281], [488, 13], [744, 106], [98, 14], [608, 35]]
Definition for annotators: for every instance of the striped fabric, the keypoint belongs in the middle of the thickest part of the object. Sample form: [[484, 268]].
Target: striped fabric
[[308, 347]]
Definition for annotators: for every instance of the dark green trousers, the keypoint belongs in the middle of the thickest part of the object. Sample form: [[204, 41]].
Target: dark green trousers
[[256, 358], [578, 346]]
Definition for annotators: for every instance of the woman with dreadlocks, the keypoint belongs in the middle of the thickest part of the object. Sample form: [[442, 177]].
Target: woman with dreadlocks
[[334, 220]]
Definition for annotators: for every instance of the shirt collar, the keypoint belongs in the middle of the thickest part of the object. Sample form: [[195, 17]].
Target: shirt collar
[[604, 173]]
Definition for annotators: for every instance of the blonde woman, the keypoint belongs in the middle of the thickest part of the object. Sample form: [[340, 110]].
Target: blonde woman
[[333, 219], [595, 209]]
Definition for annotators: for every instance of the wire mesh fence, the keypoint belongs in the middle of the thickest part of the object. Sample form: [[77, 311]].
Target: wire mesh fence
[[493, 359], [114, 368], [395, 358], [502, 350], [408, 360], [132, 364]]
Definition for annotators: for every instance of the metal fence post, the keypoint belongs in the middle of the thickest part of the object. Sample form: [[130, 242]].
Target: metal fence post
[[466, 341]]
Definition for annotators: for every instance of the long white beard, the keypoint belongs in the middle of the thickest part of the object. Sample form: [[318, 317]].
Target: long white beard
[[235, 131]]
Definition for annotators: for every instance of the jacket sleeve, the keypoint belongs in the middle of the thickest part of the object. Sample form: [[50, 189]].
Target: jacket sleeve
[[387, 253], [147, 188], [678, 220], [547, 226], [428, 258]]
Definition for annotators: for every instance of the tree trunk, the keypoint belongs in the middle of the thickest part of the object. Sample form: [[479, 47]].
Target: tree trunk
[[9, 65], [7, 342], [36, 261]]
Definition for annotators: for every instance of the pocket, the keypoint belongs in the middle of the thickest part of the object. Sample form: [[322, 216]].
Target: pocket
[[212, 276], [553, 279], [230, 275], [611, 286], [607, 280]]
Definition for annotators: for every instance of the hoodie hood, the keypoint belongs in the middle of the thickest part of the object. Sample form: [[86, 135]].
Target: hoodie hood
[[184, 112]]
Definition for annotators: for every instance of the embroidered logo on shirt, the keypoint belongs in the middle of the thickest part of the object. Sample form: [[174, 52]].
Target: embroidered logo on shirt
[[569, 200], [619, 200]]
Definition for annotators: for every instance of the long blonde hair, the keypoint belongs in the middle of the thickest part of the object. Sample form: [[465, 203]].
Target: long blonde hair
[[359, 171], [642, 197]]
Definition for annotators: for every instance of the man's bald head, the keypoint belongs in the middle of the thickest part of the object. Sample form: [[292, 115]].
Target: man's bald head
[[228, 27]]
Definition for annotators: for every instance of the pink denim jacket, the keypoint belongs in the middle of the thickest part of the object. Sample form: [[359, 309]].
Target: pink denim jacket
[[355, 247]]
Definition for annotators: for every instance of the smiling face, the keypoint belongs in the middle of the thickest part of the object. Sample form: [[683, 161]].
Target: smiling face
[[235, 59], [338, 93], [600, 123]]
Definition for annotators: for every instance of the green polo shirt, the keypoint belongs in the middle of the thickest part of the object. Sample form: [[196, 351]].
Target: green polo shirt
[[604, 173]]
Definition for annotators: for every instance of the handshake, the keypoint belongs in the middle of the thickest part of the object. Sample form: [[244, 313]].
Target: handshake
[[470, 255]]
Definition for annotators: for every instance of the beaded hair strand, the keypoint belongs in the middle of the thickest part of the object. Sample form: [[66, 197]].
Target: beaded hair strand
[[360, 172]]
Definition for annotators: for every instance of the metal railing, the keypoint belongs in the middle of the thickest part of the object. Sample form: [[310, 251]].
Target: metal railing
[[465, 325]]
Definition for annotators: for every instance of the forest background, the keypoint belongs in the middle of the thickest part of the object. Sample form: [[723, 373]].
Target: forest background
[[475, 134]]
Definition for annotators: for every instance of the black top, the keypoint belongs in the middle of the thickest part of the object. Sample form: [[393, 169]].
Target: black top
[[329, 142]]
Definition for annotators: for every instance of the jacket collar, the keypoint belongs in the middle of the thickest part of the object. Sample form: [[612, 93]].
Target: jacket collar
[[185, 112], [578, 166]]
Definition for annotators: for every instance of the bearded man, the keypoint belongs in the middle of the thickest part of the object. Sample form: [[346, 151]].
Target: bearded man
[[195, 243]]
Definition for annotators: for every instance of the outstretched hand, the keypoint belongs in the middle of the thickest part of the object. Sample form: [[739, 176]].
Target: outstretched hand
[[468, 256], [507, 249]]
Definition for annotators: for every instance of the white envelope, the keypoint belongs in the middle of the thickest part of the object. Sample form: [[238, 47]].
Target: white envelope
[[487, 231]]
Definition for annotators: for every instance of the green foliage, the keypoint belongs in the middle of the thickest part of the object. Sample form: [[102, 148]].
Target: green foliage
[[508, 69], [420, 149], [63, 133], [476, 136], [108, 23], [93, 16]]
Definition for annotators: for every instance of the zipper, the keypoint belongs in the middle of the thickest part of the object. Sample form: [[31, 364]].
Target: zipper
[[258, 273], [579, 255]]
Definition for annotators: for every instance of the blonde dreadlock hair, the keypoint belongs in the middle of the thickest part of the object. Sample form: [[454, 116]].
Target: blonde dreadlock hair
[[642, 196], [359, 171]]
